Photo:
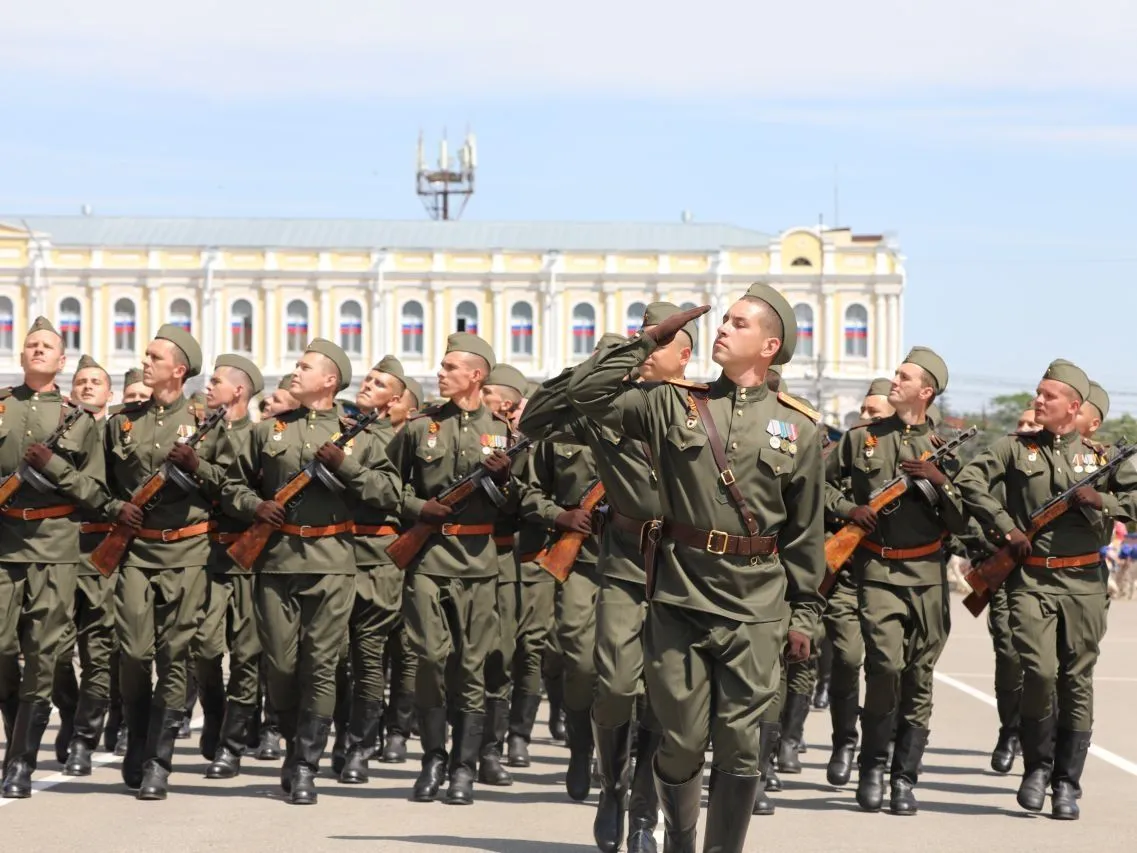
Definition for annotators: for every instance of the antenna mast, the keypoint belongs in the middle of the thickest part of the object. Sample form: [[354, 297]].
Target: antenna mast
[[436, 185]]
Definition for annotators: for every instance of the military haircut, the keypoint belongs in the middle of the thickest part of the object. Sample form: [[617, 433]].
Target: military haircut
[[507, 392], [180, 358], [476, 362], [239, 378], [768, 319]]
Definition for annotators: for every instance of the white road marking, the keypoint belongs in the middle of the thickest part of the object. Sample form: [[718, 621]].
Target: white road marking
[[1097, 678]]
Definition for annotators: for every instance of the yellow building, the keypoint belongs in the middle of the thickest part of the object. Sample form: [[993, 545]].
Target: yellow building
[[541, 293]]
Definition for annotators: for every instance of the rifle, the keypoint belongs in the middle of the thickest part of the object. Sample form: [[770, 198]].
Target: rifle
[[844, 542], [24, 473], [558, 560], [412, 540], [249, 545], [108, 554], [990, 574]]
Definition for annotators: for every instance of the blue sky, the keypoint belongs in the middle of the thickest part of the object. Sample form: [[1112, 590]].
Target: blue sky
[[998, 145]]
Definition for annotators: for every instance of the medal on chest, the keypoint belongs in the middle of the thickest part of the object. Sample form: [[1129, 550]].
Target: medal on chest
[[871, 441], [127, 426], [783, 436], [1, 414], [278, 431], [490, 443], [185, 431], [692, 412], [1031, 452], [432, 434]]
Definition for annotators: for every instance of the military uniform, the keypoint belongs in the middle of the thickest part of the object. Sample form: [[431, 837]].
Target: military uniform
[[1058, 596], [718, 615], [39, 556]]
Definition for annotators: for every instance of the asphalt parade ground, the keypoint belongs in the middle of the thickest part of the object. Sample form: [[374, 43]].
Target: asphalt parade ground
[[964, 806]]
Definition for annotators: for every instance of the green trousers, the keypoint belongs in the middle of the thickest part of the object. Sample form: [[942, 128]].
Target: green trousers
[[525, 617], [91, 629], [905, 629], [36, 600], [1058, 639], [710, 680], [230, 624], [1008, 668], [621, 610], [374, 615], [301, 621], [575, 619], [156, 616], [843, 628], [451, 615]]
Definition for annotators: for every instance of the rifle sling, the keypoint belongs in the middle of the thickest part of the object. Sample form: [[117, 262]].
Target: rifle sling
[[726, 476]]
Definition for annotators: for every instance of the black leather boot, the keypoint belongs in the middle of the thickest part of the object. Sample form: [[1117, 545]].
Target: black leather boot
[[728, 815], [768, 734], [843, 711], [341, 717], [793, 724], [770, 780], [311, 741], [578, 776], [191, 701], [65, 697], [680, 805], [432, 727], [490, 769], [1038, 761], [643, 805], [523, 715], [555, 691], [824, 670], [464, 758], [1070, 751], [910, 744], [27, 734], [362, 733], [211, 692], [136, 716], [114, 724], [876, 734], [234, 739], [288, 721], [165, 723], [400, 721], [1007, 747], [88, 728], [612, 755]]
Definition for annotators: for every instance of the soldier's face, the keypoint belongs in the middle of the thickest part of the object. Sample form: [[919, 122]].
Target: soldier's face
[[1027, 422], [400, 408], [742, 340], [667, 362], [1056, 404], [220, 390], [91, 387], [136, 392], [314, 377], [876, 406], [1088, 421], [458, 375], [160, 365], [909, 387], [279, 402], [42, 354], [495, 401], [377, 391]]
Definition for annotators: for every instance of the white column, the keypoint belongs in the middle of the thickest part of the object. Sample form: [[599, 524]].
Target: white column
[[500, 343], [832, 352], [880, 334], [93, 323], [895, 332], [609, 322], [270, 326], [433, 353], [327, 318], [154, 314], [376, 328], [219, 323]]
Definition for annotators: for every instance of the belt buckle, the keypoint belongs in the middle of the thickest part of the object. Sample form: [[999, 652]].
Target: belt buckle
[[24, 513], [885, 550], [1048, 559], [304, 528], [711, 537], [727, 478], [447, 529], [165, 532]]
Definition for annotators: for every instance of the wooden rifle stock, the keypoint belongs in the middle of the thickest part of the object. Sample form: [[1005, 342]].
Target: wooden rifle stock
[[412, 540], [249, 545], [108, 554], [560, 558], [13, 481], [844, 542], [10, 486]]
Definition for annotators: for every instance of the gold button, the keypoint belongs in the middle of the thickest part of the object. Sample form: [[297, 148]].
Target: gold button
[[29, 432], [306, 444], [156, 444], [159, 423], [733, 445], [33, 408]]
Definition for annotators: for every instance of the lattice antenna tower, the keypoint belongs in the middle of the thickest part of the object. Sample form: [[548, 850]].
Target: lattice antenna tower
[[445, 188]]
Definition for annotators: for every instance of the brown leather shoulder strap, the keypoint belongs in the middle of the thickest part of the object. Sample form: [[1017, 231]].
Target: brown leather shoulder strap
[[725, 474]]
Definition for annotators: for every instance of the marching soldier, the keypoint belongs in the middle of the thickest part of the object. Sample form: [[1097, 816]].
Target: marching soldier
[[83, 705], [1057, 597], [306, 574], [134, 388], [452, 590], [39, 543], [742, 521], [900, 568]]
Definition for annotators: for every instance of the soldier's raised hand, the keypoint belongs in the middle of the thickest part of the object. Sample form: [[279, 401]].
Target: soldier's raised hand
[[665, 331]]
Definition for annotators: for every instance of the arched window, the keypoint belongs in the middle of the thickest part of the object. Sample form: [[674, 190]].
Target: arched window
[[584, 329], [467, 318], [297, 337], [801, 262], [857, 331], [181, 315], [521, 329], [687, 306], [635, 317], [351, 328], [804, 315], [70, 323], [124, 327], [7, 324], [412, 320], [241, 326]]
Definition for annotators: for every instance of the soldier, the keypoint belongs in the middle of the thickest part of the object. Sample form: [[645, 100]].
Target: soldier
[[161, 584], [1057, 597], [406, 404], [281, 400], [1093, 412], [452, 590], [900, 570], [83, 706], [718, 615], [39, 543], [229, 622], [630, 494], [134, 389]]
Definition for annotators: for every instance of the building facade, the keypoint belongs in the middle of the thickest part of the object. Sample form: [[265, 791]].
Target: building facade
[[541, 293]]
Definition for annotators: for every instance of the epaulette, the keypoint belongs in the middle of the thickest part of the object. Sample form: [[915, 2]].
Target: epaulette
[[1096, 446], [5, 393], [799, 406], [498, 416], [688, 384], [428, 412]]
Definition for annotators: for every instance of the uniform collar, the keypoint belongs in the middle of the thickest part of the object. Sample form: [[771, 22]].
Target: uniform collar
[[910, 429], [176, 406], [320, 414], [238, 423], [1061, 441], [452, 408], [27, 393], [726, 388]]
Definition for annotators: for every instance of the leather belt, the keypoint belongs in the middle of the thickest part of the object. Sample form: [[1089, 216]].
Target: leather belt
[[39, 513], [902, 553], [533, 556], [503, 541], [225, 538], [174, 534], [1079, 561], [465, 529], [374, 530], [310, 531], [626, 523], [719, 541], [95, 527]]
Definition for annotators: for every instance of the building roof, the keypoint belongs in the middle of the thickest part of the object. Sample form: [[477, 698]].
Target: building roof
[[140, 232]]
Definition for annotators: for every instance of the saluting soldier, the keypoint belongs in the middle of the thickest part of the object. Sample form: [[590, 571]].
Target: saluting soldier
[[452, 591], [741, 492], [83, 704], [161, 583], [229, 621], [1058, 595], [39, 543], [306, 574], [900, 569]]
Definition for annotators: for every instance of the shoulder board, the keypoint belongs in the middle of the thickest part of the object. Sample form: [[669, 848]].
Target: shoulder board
[[428, 412], [799, 406], [5, 393], [1096, 446], [687, 383], [498, 416]]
